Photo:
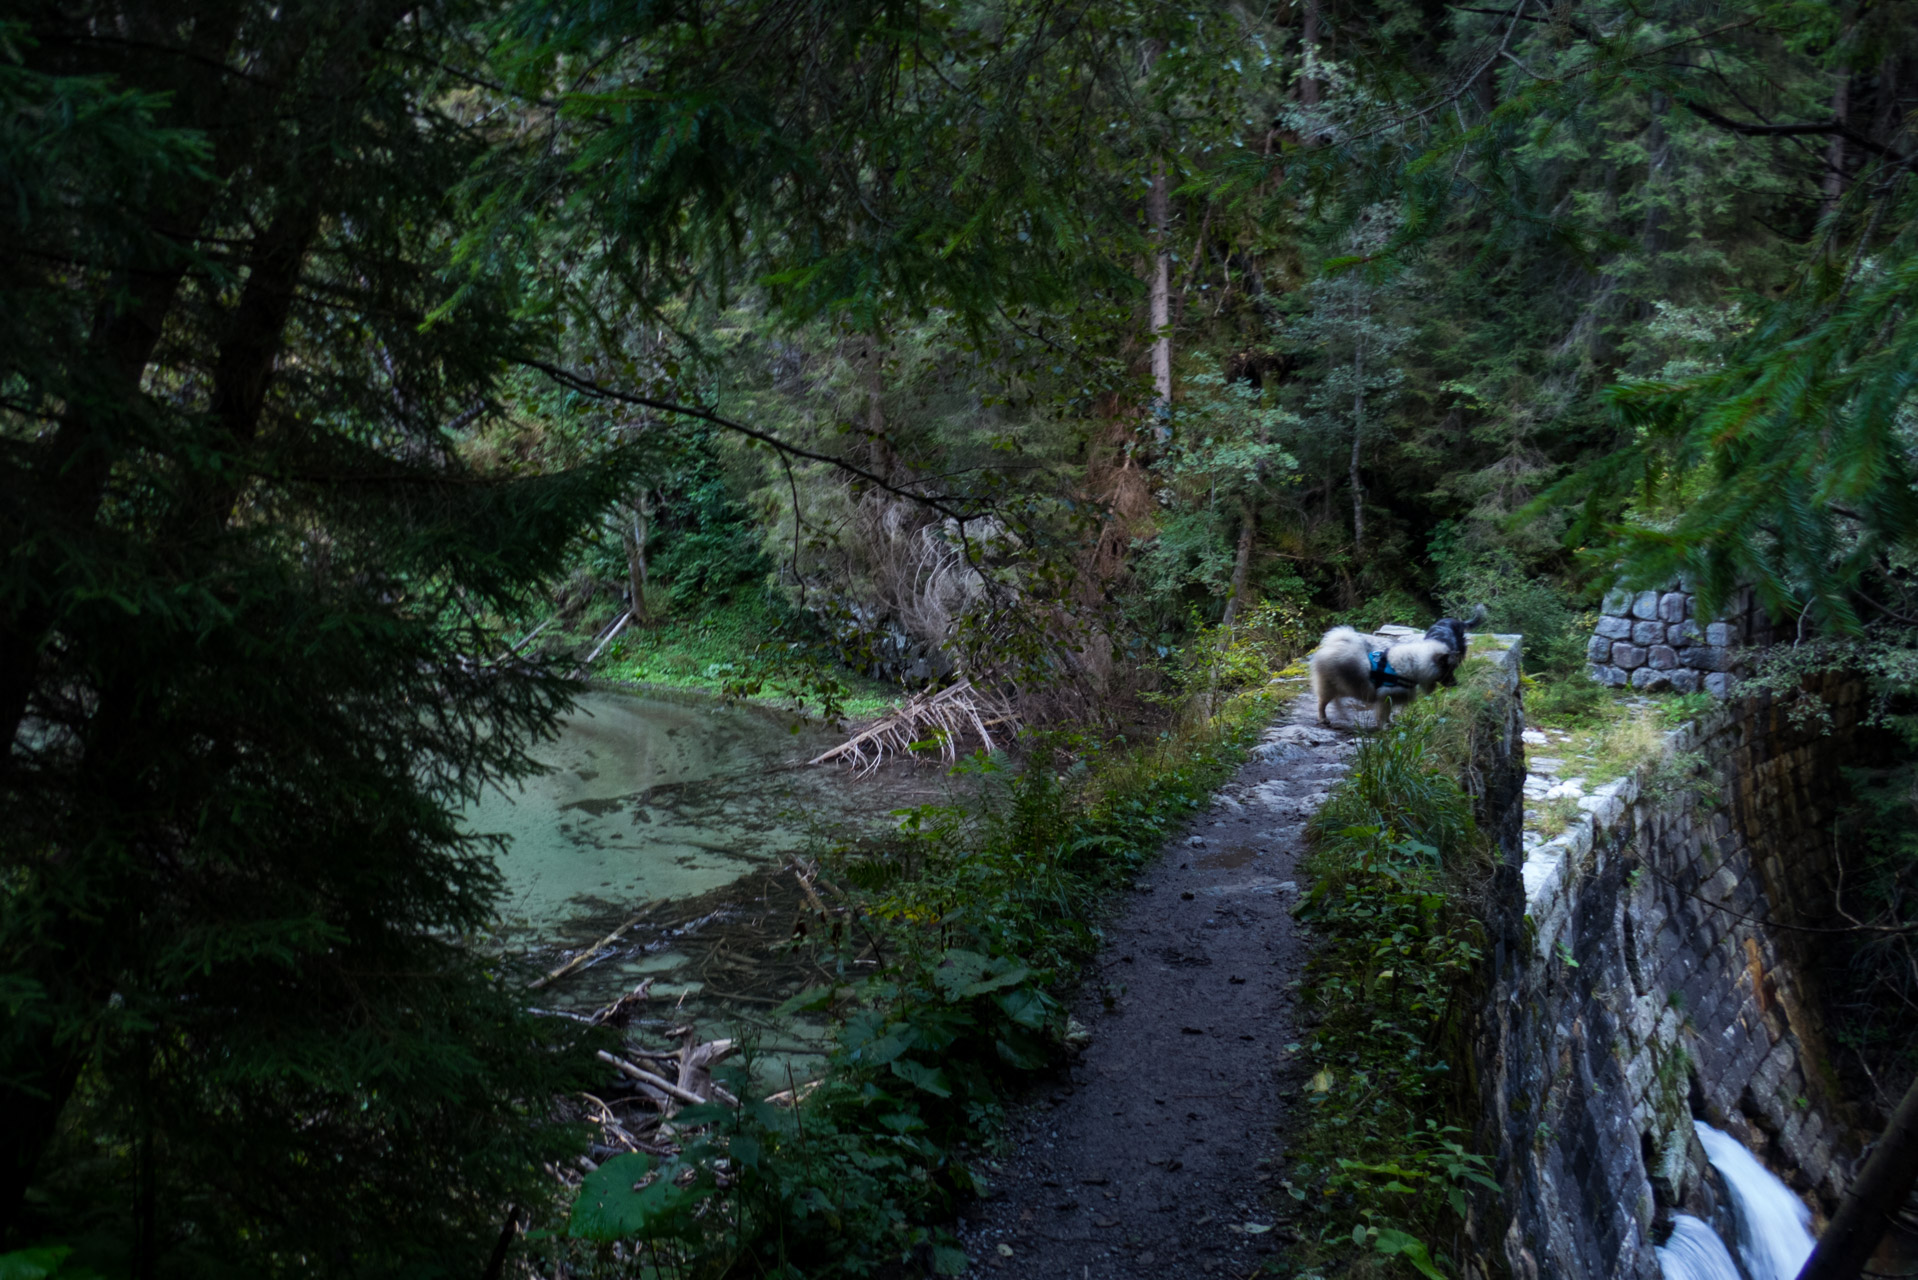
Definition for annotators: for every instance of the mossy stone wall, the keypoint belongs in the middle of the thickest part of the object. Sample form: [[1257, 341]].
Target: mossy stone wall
[[1636, 977]]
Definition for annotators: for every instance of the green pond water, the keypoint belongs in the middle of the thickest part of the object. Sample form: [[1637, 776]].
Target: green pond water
[[692, 807]]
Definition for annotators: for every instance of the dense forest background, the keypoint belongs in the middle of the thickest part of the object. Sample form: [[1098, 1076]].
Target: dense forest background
[[346, 343]]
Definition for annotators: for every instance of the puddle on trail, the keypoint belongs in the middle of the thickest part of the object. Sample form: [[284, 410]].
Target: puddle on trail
[[684, 810], [1226, 859]]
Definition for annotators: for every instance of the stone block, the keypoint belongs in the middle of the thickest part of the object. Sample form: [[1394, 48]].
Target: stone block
[[1618, 601], [1605, 810], [1662, 656], [1722, 633], [1599, 650], [1816, 1161], [1671, 607], [1703, 657], [1719, 887], [1651, 680], [1750, 1053], [1685, 632], [1609, 675], [1613, 628], [1640, 1071], [1645, 606], [1720, 685], [1645, 634], [1641, 1019], [1791, 1134], [1628, 657], [1685, 680], [1764, 1081]]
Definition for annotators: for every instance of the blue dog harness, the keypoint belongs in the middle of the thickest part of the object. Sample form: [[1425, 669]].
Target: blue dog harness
[[1384, 679]]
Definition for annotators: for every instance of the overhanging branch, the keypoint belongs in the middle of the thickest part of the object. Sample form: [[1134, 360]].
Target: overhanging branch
[[586, 386], [1827, 128]]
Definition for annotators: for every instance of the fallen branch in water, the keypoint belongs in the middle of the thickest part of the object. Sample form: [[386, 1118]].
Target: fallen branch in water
[[791, 1097], [805, 883], [620, 1011], [645, 1077], [945, 717], [580, 959]]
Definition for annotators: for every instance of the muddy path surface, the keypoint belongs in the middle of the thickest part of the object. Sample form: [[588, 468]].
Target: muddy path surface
[[1158, 1152]]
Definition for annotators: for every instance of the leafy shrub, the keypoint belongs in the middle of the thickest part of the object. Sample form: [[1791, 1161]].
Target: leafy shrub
[[1556, 630]]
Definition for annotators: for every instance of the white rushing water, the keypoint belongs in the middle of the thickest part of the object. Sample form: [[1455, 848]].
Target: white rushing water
[[1695, 1253], [1774, 1226]]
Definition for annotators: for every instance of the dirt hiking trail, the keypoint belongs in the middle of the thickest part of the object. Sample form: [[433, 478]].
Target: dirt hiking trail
[[1157, 1152]]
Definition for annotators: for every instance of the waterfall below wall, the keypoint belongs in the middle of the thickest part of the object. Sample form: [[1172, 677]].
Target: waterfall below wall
[[1695, 1252], [1774, 1226]]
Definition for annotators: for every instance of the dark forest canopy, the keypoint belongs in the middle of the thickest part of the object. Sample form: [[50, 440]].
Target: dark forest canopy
[[335, 335]]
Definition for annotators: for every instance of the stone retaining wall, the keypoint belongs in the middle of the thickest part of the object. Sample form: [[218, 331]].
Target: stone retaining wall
[[1496, 779], [1632, 984], [1654, 640]]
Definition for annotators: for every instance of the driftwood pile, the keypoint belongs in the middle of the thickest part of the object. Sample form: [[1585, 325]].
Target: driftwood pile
[[957, 712], [640, 1113], [759, 922]]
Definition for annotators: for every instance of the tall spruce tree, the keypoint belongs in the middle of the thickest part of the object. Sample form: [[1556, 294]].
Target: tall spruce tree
[[243, 673]]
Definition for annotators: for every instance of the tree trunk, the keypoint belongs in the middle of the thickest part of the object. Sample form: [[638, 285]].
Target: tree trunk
[[30, 1112], [83, 952], [1358, 435], [1159, 215], [1309, 49], [885, 462], [1657, 191], [1873, 1200], [1835, 149], [1242, 567], [635, 540], [1886, 120], [76, 463]]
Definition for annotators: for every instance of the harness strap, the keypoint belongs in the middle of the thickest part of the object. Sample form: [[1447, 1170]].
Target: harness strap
[[1384, 679]]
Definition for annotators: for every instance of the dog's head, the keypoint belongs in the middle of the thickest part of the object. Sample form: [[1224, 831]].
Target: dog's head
[[1451, 632]]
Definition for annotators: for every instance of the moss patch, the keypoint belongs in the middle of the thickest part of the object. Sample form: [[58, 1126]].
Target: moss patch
[[717, 649]]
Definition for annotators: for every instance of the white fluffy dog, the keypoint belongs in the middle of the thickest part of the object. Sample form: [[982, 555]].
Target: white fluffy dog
[[1377, 671]]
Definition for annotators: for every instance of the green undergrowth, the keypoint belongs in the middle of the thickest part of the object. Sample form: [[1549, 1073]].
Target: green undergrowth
[[949, 953], [1381, 1169], [740, 647]]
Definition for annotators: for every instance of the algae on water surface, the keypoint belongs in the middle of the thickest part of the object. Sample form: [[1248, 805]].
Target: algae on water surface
[[666, 795]]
